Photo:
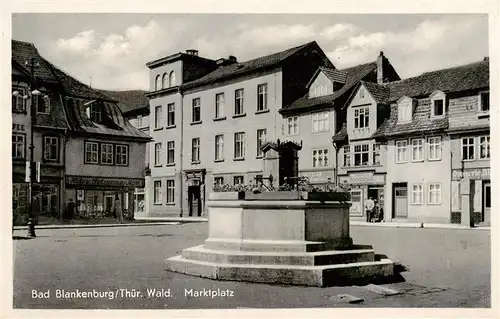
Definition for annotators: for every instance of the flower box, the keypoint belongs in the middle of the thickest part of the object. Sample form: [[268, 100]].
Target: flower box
[[274, 195], [227, 195]]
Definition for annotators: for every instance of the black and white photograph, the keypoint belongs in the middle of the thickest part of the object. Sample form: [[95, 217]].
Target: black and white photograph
[[250, 160]]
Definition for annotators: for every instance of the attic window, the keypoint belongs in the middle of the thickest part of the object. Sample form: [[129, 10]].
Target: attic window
[[438, 108], [95, 113], [405, 110], [362, 93], [484, 101]]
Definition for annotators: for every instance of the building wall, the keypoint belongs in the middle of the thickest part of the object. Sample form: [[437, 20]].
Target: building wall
[[424, 172], [75, 165], [167, 68], [321, 84], [249, 123], [362, 99]]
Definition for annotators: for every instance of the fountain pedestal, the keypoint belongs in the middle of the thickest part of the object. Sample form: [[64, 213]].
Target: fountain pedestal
[[287, 242]]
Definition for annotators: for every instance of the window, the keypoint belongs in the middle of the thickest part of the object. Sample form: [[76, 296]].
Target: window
[[434, 148], [361, 154], [171, 114], [238, 102], [401, 151], [417, 150], [170, 191], [218, 181], [262, 97], [196, 116], [361, 117], [121, 154], [139, 121], [195, 150], [376, 154], [468, 148], [170, 153], [157, 83], [51, 148], [157, 154], [484, 101], [157, 192], [347, 156], [91, 152], [239, 145], [417, 193], [107, 153], [320, 158], [18, 148], [171, 79], [238, 180], [43, 105], [361, 92], [434, 194], [261, 139], [164, 81], [293, 125], [18, 103], [438, 108], [320, 122], [158, 116], [219, 105], [219, 147], [484, 145], [405, 110]]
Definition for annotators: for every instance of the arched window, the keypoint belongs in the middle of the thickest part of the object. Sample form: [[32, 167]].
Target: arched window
[[157, 83], [171, 79], [164, 83]]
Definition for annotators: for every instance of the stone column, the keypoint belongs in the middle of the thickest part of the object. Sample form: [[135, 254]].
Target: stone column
[[467, 198]]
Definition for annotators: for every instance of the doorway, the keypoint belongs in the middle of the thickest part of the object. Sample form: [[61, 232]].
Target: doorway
[[486, 216], [194, 200], [108, 205], [400, 200], [377, 193]]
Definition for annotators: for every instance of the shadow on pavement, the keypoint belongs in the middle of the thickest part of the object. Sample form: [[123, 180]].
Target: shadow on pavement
[[21, 238]]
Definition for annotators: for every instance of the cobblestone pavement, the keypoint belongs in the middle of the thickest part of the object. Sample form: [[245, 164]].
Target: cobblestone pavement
[[441, 268]]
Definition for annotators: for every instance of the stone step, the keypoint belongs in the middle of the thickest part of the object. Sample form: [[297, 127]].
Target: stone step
[[200, 253], [321, 276], [265, 245]]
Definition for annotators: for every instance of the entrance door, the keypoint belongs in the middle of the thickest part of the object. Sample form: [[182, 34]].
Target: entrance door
[[400, 201], [194, 201], [486, 202], [108, 205]]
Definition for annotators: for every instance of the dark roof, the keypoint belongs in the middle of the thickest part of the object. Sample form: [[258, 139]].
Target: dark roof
[[341, 134], [130, 100], [24, 51], [245, 67], [354, 75], [422, 122], [334, 75], [74, 87], [466, 77], [379, 92]]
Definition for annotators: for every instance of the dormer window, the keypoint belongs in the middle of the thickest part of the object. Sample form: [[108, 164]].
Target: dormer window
[[42, 104], [438, 104], [405, 109], [484, 101], [95, 113]]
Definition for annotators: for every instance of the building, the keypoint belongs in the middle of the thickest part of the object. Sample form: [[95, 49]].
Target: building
[[437, 131], [89, 153], [135, 108], [209, 133]]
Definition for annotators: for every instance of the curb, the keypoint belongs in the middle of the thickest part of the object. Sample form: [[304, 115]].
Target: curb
[[174, 219], [96, 225], [419, 225]]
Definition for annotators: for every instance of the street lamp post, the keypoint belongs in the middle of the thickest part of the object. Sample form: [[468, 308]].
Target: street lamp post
[[31, 95]]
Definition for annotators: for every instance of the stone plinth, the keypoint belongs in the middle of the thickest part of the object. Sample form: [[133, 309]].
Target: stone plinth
[[290, 242]]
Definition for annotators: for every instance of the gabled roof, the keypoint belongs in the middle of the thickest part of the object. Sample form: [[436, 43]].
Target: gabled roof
[[379, 92], [241, 68], [461, 78], [278, 146], [341, 135], [24, 51], [130, 100], [332, 74], [354, 75]]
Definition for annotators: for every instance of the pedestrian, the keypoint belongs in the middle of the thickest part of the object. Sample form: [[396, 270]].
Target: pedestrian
[[71, 209], [369, 205], [117, 208]]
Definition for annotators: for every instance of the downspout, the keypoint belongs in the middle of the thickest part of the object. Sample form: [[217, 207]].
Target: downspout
[[182, 152], [335, 177]]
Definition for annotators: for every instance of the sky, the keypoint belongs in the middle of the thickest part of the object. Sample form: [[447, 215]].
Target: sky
[[110, 50]]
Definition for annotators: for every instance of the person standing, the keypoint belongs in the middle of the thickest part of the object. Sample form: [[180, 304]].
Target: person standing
[[117, 207], [370, 204]]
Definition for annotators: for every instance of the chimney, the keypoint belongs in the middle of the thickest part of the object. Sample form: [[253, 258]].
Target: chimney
[[192, 52], [380, 68]]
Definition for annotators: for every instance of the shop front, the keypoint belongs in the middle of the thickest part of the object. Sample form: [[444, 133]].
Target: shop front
[[482, 194], [364, 185], [318, 176], [95, 197]]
